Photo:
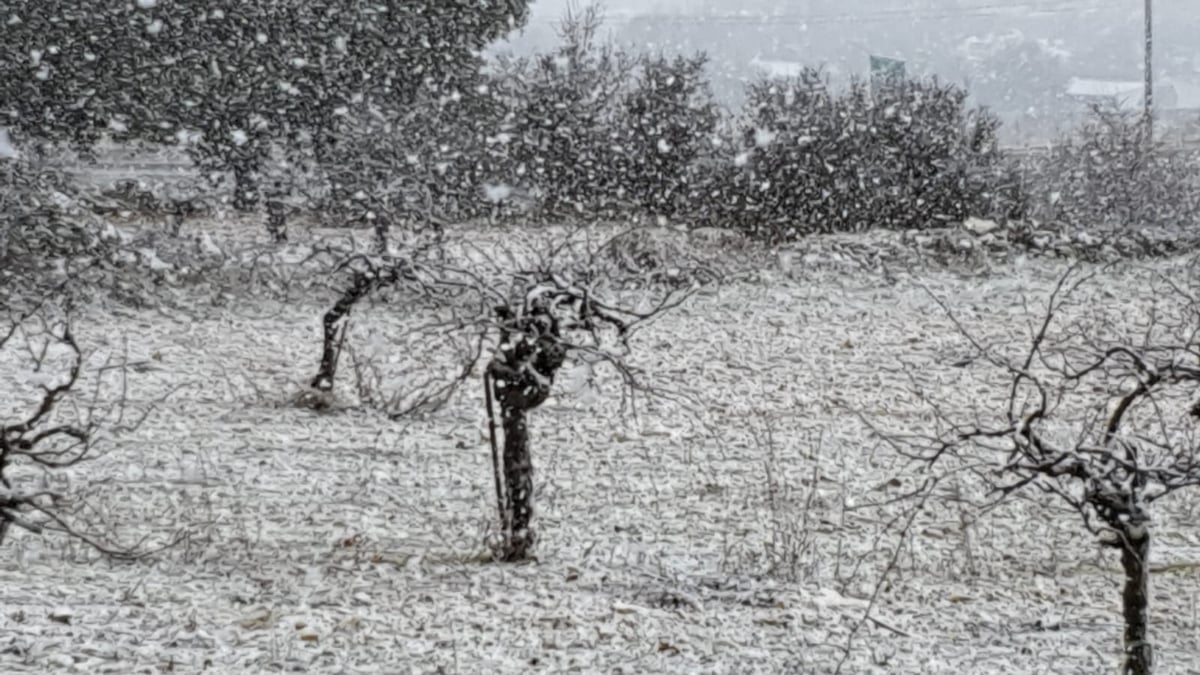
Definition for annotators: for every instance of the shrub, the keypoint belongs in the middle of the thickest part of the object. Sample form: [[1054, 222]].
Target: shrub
[[585, 130], [1104, 174], [667, 123], [426, 163], [562, 121], [807, 159]]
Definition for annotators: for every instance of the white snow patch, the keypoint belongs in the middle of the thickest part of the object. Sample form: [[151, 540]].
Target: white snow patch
[[7, 149], [496, 193]]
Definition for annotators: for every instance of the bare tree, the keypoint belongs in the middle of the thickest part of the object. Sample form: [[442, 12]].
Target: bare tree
[[1098, 411], [532, 306], [431, 286], [549, 313], [334, 322], [44, 439], [33, 440]]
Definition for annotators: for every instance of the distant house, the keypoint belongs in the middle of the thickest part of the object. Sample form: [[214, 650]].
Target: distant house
[[1181, 122], [1128, 95], [776, 69], [1176, 103]]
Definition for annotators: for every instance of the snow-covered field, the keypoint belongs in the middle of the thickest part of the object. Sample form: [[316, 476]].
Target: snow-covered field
[[732, 537]]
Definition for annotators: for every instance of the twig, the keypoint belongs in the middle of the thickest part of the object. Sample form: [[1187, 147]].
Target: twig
[[496, 468]]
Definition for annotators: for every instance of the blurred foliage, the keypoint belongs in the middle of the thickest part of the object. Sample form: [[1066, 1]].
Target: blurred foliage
[[1105, 175], [237, 76], [44, 234], [808, 159], [385, 113], [584, 131]]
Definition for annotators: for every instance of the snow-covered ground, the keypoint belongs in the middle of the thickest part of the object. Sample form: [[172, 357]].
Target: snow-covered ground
[[728, 537]]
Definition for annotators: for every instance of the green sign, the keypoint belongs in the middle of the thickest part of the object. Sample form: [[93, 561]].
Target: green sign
[[886, 73]]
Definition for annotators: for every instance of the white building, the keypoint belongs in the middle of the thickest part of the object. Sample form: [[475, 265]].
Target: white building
[[1128, 94]]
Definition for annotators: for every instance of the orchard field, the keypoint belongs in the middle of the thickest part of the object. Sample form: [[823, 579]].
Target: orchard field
[[744, 525]]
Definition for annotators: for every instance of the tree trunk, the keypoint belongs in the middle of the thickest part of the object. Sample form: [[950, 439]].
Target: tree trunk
[[277, 220], [521, 381], [518, 482], [1135, 600], [333, 326], [325, 152], [180, 210], [245, 187], [380, 224]]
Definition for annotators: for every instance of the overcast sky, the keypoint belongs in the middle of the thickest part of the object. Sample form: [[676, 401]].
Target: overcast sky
[[959, 17], [1098, 39]]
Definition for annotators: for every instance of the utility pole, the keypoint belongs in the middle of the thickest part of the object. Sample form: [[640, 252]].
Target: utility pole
[[1149, 95]]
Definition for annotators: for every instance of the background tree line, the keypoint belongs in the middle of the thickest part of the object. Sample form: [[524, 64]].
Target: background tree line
[[388, 111]]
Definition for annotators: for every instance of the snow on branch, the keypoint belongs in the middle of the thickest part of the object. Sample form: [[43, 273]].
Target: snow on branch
[[37, 433]]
